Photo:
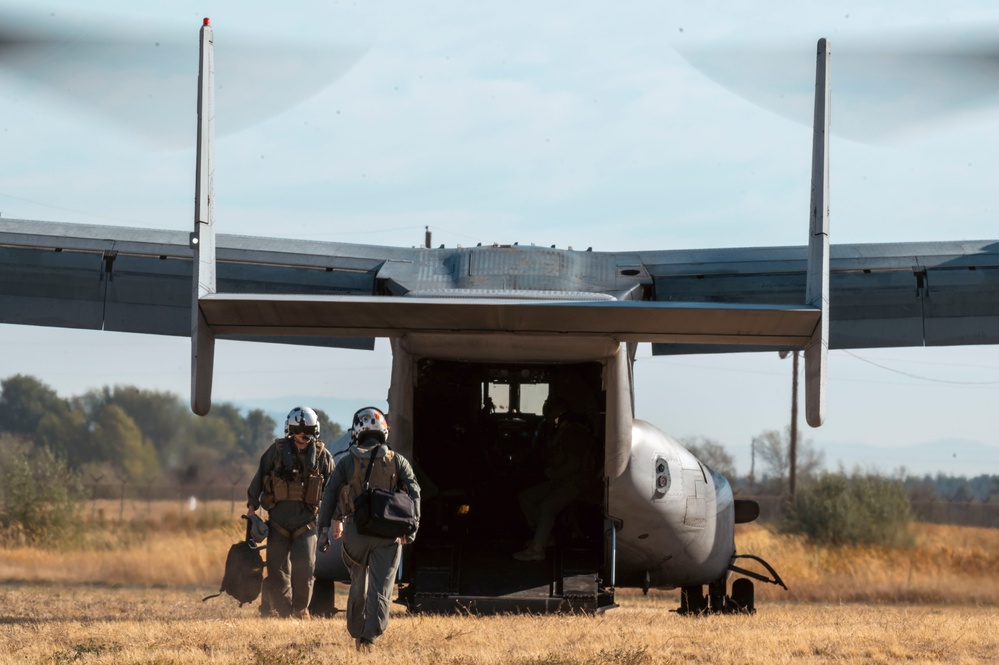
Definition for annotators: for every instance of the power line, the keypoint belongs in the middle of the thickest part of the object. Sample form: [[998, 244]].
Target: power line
[[917, 376], [836, 379]]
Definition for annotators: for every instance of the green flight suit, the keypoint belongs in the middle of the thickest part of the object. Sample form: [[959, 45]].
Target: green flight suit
[[372, 561]]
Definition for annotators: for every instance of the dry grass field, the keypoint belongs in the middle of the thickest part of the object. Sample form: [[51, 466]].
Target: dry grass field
[[48, 623], [947, 564], [131, 593]]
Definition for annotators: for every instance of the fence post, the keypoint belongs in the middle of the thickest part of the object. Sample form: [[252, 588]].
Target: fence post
[[93, 495], [234, 478], [120, 475]]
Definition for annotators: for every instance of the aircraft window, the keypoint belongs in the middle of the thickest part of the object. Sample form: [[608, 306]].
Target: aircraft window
[[496, 398], [532, 397]]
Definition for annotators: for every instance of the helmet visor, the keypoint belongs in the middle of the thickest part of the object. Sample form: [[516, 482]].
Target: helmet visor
[[302, 429]]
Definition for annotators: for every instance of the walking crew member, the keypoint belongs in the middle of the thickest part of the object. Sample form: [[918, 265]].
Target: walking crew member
[[289, 484], [372, 561]]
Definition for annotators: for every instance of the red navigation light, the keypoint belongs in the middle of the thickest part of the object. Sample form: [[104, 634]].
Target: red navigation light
[[208, 21]]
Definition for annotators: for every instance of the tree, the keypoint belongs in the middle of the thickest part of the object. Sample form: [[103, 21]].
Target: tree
[[39, 494], [773, 450], [65, 433], [212, 441], [252, 433], [711, 453], [24, 401], [329, 430], [259, 433], [161, 416], [138, 431], [855, 510], [116, 438]]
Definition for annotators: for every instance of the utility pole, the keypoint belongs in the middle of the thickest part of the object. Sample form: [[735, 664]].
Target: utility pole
[[793, 451]]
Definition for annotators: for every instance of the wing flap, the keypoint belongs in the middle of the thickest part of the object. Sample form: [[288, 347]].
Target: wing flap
[[254, 314]]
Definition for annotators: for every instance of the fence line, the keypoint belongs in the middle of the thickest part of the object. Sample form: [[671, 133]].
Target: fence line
[[221, 491], [936, 511], [933, 511], [190, 497]]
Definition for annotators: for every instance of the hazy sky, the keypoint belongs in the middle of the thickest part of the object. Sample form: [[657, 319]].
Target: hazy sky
[[542, 123]]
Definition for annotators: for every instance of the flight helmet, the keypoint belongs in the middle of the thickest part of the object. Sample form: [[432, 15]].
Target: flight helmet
[[301, 419], [369, 423]]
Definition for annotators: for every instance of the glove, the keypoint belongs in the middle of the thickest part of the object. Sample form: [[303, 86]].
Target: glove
[[324, 539]]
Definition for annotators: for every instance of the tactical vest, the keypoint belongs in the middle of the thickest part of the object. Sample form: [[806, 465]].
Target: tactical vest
[[291, 484], [384, 475]]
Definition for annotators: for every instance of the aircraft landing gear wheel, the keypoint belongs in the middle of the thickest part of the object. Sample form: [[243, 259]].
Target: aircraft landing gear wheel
[[743, 595], [717, 598], [692, 600]]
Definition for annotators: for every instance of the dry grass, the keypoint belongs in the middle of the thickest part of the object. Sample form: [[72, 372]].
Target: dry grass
[[132, 595], [166, 544], [948, 564], [159, 543], [58, 624]]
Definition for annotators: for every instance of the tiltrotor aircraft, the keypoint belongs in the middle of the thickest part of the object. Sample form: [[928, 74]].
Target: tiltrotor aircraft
[[481, 336]]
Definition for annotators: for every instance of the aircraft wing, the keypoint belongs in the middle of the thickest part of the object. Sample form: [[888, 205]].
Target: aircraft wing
[[139, 280], [335, 294], [880, 295], [332, 294]]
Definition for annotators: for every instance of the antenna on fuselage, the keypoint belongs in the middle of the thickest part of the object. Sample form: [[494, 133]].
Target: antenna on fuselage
[[817, 281], [203, 237]]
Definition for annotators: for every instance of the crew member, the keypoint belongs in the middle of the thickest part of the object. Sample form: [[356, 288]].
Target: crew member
[[372, 561], [289, 484], [567, 449]]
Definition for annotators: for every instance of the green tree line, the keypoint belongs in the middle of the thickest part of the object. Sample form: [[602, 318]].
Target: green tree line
[[135, 435]]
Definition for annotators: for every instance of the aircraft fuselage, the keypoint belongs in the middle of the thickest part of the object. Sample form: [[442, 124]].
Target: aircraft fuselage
[[465, 410]]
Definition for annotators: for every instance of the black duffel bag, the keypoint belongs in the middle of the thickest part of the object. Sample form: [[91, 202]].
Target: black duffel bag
[[384, 513], [244, 570]]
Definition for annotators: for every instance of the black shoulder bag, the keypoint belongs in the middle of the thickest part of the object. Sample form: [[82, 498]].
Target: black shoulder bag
[[384, 513]]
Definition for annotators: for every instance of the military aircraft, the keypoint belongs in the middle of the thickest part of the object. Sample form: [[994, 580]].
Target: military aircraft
[[481, 336]]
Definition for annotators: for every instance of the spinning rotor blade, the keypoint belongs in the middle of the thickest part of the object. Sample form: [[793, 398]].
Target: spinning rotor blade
[[144, 78], [881, 90]]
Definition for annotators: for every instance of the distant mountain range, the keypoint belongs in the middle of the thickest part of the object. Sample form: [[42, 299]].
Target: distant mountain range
[[950, 457]]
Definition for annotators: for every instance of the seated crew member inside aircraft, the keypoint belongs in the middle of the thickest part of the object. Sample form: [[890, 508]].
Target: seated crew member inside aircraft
[[289, 484], [565, 449]]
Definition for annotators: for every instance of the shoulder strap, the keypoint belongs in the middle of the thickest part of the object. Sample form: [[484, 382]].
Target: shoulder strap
[[284, 454], [398, 478], [320, 458], [371, 464]]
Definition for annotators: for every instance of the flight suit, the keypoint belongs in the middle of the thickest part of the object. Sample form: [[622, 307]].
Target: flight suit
[[372, 561], [291, 543]]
